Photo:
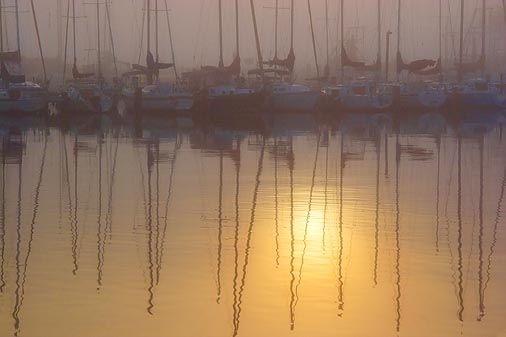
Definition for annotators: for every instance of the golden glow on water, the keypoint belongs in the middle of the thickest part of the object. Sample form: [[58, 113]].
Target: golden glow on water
[[355, 227]]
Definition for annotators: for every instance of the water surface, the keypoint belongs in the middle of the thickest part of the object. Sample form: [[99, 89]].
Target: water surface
[[364, 225]]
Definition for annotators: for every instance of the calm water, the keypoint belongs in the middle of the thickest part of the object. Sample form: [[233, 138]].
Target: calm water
[[359, 226]]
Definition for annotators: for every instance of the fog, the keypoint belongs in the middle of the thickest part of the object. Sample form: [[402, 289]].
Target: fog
[[195, 29]]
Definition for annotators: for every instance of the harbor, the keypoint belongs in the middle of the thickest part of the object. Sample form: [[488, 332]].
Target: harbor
[[252, 168]]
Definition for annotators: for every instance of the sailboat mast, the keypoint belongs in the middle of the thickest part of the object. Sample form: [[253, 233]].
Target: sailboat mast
[[292, 16], [483, 34], [99, 61], [327, 72], [156, 32], [461, 48], [74, 29], [220, 15], [276, 30], [149, 25], [342, 39], [237, 28], [313, 38], [18, 37], [1, 29], [379, 36], [398, 34], [441, 39]]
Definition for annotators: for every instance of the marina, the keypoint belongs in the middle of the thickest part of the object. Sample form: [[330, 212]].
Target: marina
[[252, 168]]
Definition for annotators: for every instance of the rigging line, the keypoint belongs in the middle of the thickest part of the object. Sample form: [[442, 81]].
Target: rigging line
[[171, 42], [308, 216], [313, 39]]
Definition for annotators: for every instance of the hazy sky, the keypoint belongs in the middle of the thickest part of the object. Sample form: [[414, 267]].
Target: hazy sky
[[195, 28]]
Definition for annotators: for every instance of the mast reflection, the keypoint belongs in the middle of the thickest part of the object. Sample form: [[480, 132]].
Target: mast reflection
[[22, 264]]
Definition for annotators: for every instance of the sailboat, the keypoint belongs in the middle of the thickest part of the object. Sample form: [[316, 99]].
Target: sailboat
[[420, 96], [86, 93], [155, 96], [360, 95], [16, 93], [223, 89], [286, 96], [477, 93]]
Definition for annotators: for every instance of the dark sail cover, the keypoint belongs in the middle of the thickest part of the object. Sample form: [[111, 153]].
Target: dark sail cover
[[288, 63], [376, 66], [234, 69], [347, 62], [11, 70], [415, 66], [437, 69], [77, 75], [472, 67], [151, 69]]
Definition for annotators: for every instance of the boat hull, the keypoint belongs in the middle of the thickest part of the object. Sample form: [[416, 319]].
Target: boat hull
[[230, 104], [294, 102], [156, 105]]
